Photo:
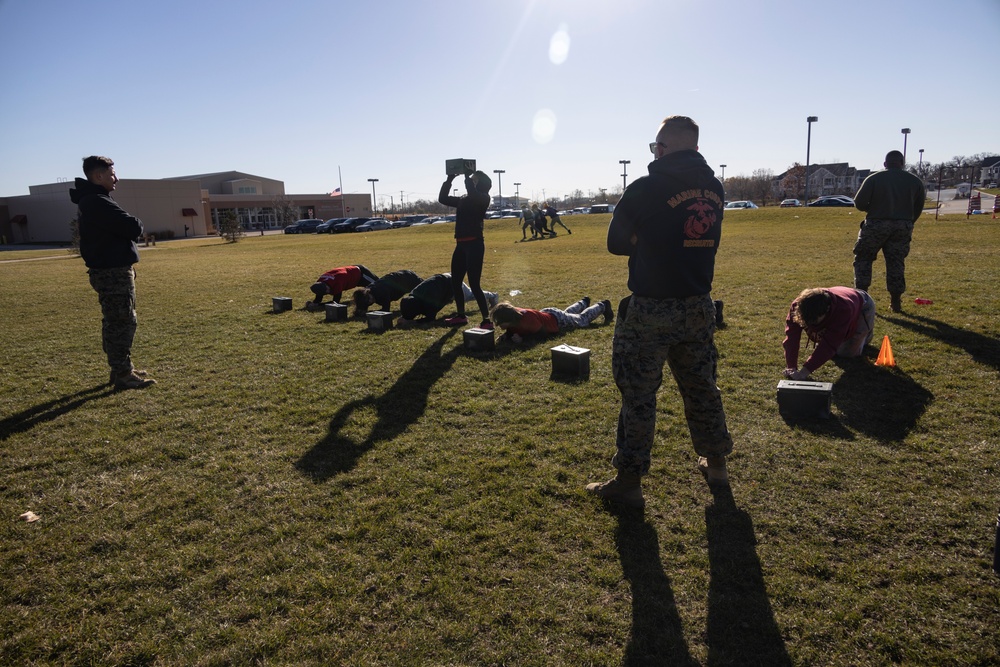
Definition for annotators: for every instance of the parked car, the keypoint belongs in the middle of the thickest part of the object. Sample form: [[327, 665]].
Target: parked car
[[741, 204], [832, 200], [374, 225], [602, 208], [327, 227], [347, 225], [408, 220], [307, 226], [788, 203]]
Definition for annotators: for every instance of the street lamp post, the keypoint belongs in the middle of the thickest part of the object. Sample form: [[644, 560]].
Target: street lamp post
[[624, 164], [373, 181], [517, 192], [809, 121], [723, 179], [920, 165], [499, 186], [906, 132]]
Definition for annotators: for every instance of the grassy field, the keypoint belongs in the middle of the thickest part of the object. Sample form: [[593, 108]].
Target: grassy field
[[301, 492]]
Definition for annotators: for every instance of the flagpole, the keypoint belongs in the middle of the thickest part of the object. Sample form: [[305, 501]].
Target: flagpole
[[340, 177]]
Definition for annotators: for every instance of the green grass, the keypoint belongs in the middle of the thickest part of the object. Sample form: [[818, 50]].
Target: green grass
[[298, 492]]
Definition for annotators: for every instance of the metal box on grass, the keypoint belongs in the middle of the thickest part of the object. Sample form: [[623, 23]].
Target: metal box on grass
[[336, 312], [570, 361], [379, 321], [479, 340], [802, 399], [280, 304]]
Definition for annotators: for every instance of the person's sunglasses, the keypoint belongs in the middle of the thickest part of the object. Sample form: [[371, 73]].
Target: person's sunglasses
[[653, 145]]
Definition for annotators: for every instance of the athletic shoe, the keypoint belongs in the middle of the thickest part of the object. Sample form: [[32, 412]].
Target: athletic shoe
[[456, 321], [486, 324], [609, 313], [586, 301]]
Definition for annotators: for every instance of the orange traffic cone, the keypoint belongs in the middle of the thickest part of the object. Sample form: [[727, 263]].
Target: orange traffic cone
[[885, 357]]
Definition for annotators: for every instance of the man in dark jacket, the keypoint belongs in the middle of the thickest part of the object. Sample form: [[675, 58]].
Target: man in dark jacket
[[893, 200], [107, 245], [470, 248], [668, 224]]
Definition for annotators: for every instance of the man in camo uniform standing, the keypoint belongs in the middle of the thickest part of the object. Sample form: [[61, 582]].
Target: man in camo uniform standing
[[893, 200], [107, 245], [668, 224]]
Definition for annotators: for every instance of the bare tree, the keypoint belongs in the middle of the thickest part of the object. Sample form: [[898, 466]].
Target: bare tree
[[230, 227]]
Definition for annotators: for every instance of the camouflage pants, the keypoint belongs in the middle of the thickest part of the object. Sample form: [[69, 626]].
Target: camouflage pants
[[678, 332], [116, 292], [892, 237]]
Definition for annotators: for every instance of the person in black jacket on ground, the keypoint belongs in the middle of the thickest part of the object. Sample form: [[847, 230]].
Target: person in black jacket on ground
[[432, 295], [390, 287], [107, 246]]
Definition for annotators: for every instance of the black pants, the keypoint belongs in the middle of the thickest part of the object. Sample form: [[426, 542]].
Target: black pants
[[467, 259]]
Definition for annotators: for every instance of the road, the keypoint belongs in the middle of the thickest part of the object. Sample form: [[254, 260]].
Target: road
[[951, 206]]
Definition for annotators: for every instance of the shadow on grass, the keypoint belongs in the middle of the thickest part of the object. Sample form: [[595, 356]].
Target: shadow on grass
[[657, 637], [741, 625], [982, 349], [401, 405], [27, 419], [883, 403]]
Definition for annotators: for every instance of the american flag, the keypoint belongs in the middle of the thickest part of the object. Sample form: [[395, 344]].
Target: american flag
[[335, 192]]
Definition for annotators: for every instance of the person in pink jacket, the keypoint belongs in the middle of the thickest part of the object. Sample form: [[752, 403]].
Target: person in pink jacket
[[837, 320]]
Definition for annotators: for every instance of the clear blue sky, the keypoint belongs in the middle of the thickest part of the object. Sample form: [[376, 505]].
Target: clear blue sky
[[555, 92]]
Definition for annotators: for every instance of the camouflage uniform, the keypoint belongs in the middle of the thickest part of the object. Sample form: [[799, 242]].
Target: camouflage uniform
[[892, 237], [116, 291], [679, 332]]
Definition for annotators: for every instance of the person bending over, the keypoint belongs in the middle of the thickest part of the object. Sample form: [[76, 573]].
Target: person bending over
[[433, 294], [838, 321], [520, 322], [336, 281], [390, 287]]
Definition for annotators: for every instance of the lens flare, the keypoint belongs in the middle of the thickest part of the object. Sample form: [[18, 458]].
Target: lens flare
[[559, 46], [543, 127]]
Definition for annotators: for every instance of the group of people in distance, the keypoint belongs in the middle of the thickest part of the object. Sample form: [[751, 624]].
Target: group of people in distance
[[541, 221], [669, 225]]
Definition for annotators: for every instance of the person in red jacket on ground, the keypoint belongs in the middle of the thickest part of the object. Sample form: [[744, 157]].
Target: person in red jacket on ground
[[336, 281], [520, 322], [838, 321]]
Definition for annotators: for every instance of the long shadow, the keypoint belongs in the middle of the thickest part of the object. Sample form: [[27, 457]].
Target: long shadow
[[44, 412], [399, 407], [657, 636], [741, 625], [884, 403], [983, 349]]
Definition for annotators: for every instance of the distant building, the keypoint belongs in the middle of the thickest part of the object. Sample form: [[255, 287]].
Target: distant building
[[990, 170], [838, 178], [167, 205]]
